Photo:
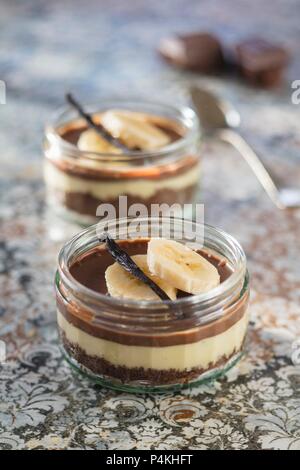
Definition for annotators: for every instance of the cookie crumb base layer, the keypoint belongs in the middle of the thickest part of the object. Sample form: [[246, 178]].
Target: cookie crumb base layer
[[138, 379]]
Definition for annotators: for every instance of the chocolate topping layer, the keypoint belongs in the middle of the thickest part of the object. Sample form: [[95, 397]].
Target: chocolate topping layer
[[71, 131], [109, 173], [89, 271]]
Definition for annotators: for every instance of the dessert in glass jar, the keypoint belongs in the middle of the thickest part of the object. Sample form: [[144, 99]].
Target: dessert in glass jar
[[147, 314], [156, 161]]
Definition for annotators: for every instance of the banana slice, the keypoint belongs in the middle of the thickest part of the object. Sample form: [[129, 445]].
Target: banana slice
[[134, 131], [181, 267], [121, 283], [90, 141]]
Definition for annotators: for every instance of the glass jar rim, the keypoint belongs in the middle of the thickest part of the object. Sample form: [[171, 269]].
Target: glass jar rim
[[187, 115], [223, 291]]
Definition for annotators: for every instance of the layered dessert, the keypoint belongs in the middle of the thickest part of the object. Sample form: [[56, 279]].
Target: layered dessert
[[177, 346], [156, 161]]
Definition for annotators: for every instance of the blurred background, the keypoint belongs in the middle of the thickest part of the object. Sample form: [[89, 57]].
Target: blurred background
[[101, 48]]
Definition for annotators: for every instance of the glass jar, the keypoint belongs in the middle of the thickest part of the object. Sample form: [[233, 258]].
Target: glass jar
[[77, 182], [149, 346]]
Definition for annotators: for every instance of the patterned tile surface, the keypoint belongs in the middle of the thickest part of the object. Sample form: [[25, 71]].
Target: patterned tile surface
[[99, 48]]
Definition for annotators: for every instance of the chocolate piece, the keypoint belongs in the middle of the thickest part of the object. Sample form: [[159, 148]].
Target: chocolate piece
[[196, 51], [261, 62], [129, 265]]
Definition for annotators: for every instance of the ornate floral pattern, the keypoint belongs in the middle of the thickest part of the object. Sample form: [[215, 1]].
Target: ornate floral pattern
[[43, 405]]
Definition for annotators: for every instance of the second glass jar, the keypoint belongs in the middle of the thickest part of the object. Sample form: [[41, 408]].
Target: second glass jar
[[78, 182]]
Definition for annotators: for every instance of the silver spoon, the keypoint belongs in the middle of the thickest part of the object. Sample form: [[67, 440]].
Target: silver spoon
[[220, 120]]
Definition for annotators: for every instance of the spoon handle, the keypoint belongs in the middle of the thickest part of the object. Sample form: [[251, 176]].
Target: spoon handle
[[239, 143]]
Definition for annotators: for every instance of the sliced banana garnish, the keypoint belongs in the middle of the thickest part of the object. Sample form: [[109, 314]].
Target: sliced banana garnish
[[181, 267], [121, 283], [134, 130], [90, 141]]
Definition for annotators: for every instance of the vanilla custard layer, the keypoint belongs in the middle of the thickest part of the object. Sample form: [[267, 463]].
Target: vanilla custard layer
[[200, 354], [104, 190]]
